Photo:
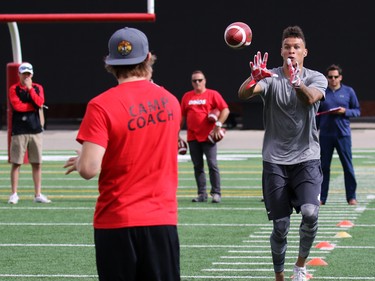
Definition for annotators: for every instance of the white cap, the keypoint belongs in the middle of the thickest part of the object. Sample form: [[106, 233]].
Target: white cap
[[25, 67]]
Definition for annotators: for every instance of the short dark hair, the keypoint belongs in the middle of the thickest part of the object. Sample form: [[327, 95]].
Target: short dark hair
[[334, 67], [197, 71], [293, 31]]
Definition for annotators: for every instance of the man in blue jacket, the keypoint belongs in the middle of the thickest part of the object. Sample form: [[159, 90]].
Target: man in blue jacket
[[333, 115]]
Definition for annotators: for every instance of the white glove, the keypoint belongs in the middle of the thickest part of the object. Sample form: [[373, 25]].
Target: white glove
[[259, 69], [294, 79]]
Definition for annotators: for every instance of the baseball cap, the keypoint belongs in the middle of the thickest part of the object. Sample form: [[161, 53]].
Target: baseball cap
[[25, 67], [127, 46]]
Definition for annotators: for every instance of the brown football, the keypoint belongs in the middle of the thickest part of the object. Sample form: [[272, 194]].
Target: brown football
[[213, 115], [212, 138], [182, 147]]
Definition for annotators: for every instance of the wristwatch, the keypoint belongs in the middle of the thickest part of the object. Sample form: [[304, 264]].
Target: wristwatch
[[218, 124]]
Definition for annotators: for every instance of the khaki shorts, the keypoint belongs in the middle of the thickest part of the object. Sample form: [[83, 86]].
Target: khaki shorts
[[20, 143]]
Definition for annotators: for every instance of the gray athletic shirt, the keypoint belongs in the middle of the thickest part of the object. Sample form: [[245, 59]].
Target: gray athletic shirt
[[291, 135]]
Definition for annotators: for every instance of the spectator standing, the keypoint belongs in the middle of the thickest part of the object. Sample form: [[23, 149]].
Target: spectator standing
[[196, 105], [292, 174], [26, 99], [129, 136], [333, 119]]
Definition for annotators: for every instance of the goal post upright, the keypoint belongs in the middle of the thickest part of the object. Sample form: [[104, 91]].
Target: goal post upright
[[12, 19], [151, 7], [16, 43]]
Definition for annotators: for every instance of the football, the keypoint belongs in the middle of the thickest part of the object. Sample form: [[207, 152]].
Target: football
[[182, 147], [238, 35], [211, 137], [213, 115]]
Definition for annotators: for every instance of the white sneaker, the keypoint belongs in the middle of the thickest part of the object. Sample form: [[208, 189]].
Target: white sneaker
[[216, 198], [299, 273], [42, 199], [13, 199]]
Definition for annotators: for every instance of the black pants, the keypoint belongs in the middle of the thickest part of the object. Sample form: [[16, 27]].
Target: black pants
[[197, 150], [149, 253]]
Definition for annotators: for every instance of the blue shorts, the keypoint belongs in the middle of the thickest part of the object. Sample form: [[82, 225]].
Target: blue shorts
[[290, 186]]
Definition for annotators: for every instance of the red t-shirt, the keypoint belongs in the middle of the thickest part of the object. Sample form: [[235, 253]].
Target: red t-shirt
[[195, 108], [138, 124]]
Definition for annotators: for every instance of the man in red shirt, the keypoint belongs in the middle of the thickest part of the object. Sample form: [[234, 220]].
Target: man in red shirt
[[196, 105], [129, 135], [26, 99]]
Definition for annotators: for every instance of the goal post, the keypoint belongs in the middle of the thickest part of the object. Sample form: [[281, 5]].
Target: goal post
[[103, 17]]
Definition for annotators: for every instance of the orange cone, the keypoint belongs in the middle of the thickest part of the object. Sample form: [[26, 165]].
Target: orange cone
[[325, 246], [345, 224], [342, 234], [317, 262]]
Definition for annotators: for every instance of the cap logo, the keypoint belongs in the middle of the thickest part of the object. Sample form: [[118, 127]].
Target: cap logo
[[25, 68], [124, 48]]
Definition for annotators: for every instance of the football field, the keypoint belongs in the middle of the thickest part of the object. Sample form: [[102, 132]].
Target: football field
[[226, 241]]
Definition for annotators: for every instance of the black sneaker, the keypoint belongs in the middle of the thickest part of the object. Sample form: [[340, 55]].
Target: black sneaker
[[200, 198]]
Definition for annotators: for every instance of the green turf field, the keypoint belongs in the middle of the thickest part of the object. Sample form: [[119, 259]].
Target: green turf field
[[227, 241]]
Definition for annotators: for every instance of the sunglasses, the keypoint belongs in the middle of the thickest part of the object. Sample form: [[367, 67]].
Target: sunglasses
[[331, 76], [197, 80]]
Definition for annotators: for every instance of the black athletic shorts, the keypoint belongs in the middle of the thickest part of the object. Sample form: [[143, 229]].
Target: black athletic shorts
[[290, 186], [149, 253]]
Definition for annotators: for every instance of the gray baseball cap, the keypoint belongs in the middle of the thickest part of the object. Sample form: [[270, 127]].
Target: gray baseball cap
[[127, 46]]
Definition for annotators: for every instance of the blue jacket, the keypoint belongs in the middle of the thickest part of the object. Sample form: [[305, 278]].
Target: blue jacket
[[338, 124]]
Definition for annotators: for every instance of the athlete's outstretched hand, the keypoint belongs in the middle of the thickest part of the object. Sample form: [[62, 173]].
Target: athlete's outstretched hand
[[295, 80], [259, 69]]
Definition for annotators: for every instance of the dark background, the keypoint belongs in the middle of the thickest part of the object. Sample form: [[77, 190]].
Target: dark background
[[187, 35]]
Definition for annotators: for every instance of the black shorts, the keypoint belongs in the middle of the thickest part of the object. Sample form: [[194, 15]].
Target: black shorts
[[290, 186], [149, 253]]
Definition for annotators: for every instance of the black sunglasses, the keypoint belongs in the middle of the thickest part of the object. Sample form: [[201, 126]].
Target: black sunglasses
[[333, 76], [197, 80]]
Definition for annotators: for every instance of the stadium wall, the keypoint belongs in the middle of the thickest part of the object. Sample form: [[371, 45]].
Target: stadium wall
[[187, 35]]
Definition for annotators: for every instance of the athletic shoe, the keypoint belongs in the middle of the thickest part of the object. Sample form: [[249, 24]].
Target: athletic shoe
[[200, 198], [299, 273], [216, 198], [42, 199], [352, 202], [13, 199]]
